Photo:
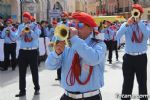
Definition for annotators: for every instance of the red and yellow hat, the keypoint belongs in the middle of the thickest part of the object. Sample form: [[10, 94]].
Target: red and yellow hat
[[139, 7], [27, 15], [84, 18]]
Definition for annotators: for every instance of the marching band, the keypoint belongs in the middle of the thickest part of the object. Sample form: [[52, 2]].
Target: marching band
[[78, 52]]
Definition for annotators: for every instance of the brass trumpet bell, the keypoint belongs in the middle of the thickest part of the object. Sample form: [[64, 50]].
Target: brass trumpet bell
[[7, 31], [26, 30], [62, 32], [135, 13]]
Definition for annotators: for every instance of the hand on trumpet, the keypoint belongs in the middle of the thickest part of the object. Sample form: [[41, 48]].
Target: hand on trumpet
[[23, 32], [59, 47], [7, 30], [130, 21]]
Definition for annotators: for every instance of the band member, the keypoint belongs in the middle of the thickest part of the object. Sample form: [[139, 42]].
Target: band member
[[135, 57], [43, 29], [110, 39], [114, 43], [50, 30], [43, 35], [64, 20], [82, 63], [1, 26], [10, 35], [28, 54]]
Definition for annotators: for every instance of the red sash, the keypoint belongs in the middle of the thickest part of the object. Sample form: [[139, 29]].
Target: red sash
[[135, 38], [75, 72], [8, 34], [27, 39]]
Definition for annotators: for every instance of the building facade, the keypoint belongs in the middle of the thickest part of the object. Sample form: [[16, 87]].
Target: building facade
[[15, 8], [124, 7], [46, 9], [146, 5], [10, 8]]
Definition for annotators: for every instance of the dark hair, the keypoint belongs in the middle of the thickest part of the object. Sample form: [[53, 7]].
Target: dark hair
[[42, 22], [49, 26], [104, 21]]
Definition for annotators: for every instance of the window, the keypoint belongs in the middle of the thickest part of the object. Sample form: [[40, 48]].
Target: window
[[148, 17]]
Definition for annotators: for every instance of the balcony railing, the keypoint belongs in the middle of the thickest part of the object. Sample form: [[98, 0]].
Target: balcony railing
[[126, 9], [123, 9]]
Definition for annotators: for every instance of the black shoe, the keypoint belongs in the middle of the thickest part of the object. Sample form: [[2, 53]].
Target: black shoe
[[57, 79], [36, 92], [110, 62], [4, 69], [21, 94], [13, 69]]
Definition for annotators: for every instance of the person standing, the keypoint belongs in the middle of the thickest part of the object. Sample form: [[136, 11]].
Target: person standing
[[135, 57], [1, 26], [9, 34], [110, 39], [64, 21], [28, 54], [82, 63]]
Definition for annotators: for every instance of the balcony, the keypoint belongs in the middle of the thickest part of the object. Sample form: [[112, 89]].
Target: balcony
[[126, 9], [123, 9]]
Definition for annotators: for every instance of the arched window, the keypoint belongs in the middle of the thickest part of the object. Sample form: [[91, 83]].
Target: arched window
[[58, 6], [27, 1]]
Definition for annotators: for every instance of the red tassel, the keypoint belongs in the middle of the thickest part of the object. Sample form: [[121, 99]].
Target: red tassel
[[27, 39], [75, 72], [136, 39]]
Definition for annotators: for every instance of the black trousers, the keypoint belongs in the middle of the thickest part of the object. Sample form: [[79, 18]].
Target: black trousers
[[134, 65], [28, 57], [59, 73], [106, 42], [9, 50], [112, 45], [96, 97]]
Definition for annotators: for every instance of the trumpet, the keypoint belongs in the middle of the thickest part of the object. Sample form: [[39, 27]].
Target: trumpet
[[26, 29], [135, 13], [7, 31], [61, 33]]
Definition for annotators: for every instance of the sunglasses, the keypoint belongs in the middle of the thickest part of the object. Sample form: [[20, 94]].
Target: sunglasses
[[78, 25]]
